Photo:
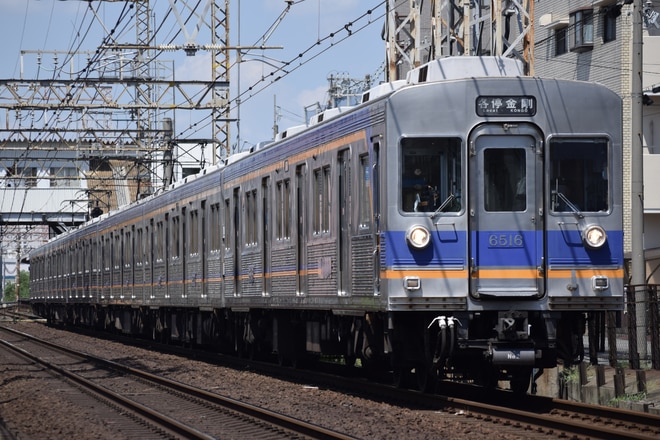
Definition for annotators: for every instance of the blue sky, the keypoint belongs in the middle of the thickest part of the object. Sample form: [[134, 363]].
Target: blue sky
[[62, 25]]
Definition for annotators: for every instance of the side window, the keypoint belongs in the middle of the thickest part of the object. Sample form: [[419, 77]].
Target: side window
[[283, 209], [117, 250], [251, 217], [579, 175], [128, 248], [431, 174], [364, 195], [160, 240], [321, 195], [139, 246], [214, 225], [226, 228], [146, 243], [108, 251], [176, 240], [193, 249]]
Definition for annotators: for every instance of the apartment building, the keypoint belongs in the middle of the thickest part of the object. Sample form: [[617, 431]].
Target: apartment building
[[592, 40]]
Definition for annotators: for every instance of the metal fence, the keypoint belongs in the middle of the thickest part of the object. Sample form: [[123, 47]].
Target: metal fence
[[622, 337]]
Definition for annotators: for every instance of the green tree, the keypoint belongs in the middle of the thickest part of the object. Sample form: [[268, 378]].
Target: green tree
[[10, 288]]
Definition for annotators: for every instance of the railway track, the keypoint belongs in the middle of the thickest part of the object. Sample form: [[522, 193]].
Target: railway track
[[157, 405], [527, 416], [535, 416]]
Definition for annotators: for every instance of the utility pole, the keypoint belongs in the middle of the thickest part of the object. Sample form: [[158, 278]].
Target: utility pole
[[2, 268], [18, 269], [638, 263]]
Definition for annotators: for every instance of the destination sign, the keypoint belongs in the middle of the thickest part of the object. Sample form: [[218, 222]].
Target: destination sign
[[506, 106]]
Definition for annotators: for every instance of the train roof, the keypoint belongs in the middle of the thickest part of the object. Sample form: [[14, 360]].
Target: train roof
[[449, 68]]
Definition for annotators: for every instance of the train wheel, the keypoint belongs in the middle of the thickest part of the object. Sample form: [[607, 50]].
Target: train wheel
[[427, 380], [487, 377], [402, 376], [520, 380], [285, 358]]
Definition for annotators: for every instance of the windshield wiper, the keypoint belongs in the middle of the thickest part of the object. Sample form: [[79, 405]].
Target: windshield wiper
[[443, 205], [570, 204]]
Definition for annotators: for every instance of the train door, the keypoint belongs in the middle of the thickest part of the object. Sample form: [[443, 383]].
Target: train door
[[301, 233], [184, 250], [375, 197], [149, 259], [236, 227], [204, 247], [506, 211], [343, 241], [166, 256], [265, 224]]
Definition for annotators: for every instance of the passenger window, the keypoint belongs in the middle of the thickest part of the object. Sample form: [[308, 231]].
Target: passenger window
[[431, 175], [579, 175]]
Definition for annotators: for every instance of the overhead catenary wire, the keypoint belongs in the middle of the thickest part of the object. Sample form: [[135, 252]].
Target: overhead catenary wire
[[303, 57]]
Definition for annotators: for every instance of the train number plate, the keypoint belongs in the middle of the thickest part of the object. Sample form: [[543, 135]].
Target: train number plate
[[505, 241]]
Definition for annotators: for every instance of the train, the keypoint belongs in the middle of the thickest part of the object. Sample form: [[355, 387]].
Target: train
[[459, 224]]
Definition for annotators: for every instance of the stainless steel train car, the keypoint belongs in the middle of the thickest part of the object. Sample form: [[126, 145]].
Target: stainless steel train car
[[460, 223]]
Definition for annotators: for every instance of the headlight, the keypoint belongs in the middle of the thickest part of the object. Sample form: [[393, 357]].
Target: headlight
[[418, 236], [594, 236]]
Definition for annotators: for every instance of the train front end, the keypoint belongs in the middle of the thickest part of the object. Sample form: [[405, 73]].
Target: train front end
[[504, 222]]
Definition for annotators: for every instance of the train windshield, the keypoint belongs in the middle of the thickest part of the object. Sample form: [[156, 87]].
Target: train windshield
[[431, 175], [579, 175]]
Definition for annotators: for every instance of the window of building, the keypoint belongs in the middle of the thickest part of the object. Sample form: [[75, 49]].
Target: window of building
[[582, 35], [610, 15], [561, 41], [64, 177]]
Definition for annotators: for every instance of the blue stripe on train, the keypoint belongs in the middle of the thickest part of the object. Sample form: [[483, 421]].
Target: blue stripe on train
[[500, 248]]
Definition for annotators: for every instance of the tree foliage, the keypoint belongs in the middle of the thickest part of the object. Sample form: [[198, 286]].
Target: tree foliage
[[10, 288]]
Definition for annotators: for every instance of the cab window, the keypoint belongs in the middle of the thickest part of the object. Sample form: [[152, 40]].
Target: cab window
[[431, 175], [579, 175]]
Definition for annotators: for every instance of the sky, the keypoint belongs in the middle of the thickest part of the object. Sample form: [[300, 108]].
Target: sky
[[52, 25]]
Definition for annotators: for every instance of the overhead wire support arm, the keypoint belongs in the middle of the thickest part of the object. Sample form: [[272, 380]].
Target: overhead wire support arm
[[58, 94], [190, 48]]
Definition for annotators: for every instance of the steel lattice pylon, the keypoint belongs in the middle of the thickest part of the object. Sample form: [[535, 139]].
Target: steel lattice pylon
[[99, 131], [220, 72], [418, 32]]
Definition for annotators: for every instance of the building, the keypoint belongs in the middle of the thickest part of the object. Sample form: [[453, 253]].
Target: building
[[592, 40]]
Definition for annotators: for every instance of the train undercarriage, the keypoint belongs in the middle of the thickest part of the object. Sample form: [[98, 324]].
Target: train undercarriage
[[420, 350]]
